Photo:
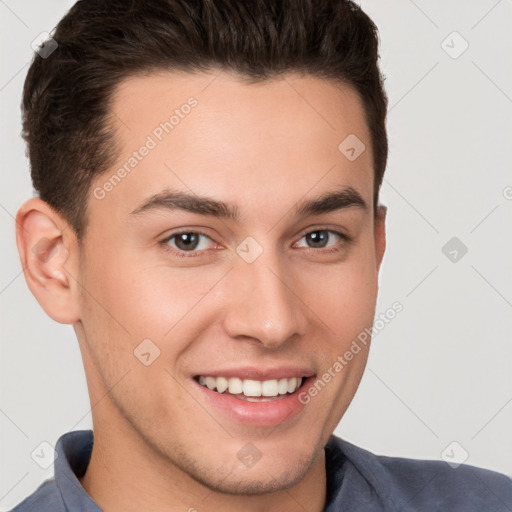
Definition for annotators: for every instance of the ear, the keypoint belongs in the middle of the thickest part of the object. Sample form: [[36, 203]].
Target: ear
[[380, 234], [49, 254]]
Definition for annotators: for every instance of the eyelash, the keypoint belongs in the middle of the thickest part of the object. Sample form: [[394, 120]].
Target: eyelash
[[199, 254]]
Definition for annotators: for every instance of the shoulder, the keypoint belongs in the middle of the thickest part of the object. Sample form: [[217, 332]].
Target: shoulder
[[45, 498], [64, 492], [434, 485]]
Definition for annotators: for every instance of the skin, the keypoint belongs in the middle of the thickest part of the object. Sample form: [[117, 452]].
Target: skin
[[264, 148]]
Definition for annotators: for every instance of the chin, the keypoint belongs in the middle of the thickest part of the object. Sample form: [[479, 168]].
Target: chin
[[226, 473], [258, 480]]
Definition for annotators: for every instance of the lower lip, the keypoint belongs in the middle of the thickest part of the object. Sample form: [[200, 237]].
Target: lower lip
[[257, 413]]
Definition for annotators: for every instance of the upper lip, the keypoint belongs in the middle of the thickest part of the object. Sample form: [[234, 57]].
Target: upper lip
[[259, 373]]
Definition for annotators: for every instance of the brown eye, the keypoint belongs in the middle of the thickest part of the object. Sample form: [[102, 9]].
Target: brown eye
[[187, 242], [323, 239], [318, 239]]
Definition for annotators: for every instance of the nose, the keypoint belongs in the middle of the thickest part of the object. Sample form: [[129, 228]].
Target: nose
[[263, 304]]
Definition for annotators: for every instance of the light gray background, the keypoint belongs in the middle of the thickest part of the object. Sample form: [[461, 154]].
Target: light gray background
[[441, 371]]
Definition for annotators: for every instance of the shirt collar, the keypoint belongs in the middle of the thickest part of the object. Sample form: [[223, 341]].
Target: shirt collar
[[73, 455]]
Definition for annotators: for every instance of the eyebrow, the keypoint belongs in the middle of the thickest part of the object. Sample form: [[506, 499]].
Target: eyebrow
[[346, 197]]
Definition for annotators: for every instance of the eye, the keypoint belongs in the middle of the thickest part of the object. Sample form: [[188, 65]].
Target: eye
[[195, 244], [187, 242], [324, 239]]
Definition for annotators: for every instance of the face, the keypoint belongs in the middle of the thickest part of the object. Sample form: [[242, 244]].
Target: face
[[216, 260]]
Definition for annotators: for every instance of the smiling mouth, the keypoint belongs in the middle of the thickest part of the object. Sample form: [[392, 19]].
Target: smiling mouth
[[252, 390]]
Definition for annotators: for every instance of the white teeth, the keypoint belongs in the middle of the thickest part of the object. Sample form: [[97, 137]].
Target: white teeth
[[269, 388], [251, 387], [292, 384], [235, 385], [211, 383], [282, 386], [222, 384]]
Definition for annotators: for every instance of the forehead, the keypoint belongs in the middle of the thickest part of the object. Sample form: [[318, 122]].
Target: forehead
[[308, 104], [216, 134]]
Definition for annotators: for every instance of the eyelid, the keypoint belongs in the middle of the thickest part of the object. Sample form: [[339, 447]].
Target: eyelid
[[344, 239], [337, 229], [195, 231]]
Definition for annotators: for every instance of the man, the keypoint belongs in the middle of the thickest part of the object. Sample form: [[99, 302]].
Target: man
[[208, 221]]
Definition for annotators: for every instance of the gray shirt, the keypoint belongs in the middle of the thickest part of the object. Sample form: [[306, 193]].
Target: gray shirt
[[357, 480]]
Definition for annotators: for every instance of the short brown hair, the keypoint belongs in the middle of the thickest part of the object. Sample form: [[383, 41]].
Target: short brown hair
[[67, 96]]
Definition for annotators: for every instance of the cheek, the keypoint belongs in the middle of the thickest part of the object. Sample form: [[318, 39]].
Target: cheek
[[131, 303], [142, 300], [343, 295]]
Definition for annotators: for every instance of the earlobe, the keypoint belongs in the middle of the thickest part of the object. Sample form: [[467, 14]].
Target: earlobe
[[380, 234], [45, 242]]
